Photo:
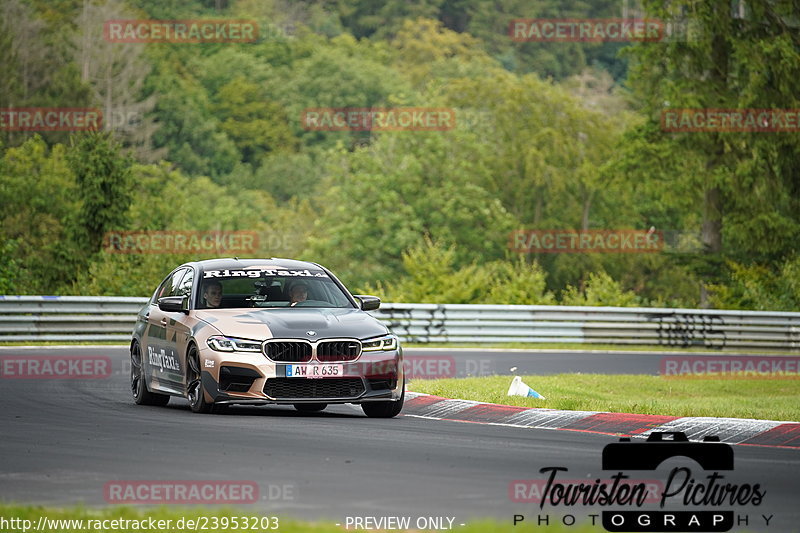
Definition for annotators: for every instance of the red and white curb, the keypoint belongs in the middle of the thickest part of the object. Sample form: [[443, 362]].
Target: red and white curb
[[731, 430]]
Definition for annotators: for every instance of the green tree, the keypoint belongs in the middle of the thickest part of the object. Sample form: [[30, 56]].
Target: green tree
[[10, 269], [339, 73], [36, 62], [384, 199], [430, 276], [189, 130], [428, 53], [38, 195], [760, 287], [256, 125], [365, 18], [600, 290], [166, 199], [103, 176], [745, 185]]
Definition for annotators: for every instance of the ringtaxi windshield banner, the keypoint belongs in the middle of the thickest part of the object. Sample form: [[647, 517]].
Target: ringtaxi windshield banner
[[263, 272]]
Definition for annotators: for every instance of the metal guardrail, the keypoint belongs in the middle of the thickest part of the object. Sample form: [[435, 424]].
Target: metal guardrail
[[680, 328], [68, 318], [98, 318]]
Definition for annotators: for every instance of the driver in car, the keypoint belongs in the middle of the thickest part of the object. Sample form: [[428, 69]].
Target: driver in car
[[212, 294]]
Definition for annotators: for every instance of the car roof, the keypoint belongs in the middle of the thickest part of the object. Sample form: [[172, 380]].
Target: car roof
[[233, 262]]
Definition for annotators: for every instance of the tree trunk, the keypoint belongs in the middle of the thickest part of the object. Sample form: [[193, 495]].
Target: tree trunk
[[713, 203], [586, 207], [712, 221]]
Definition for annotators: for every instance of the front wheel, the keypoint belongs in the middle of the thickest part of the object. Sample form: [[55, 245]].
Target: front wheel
[[384, 409], [141, 395], [194, 383]]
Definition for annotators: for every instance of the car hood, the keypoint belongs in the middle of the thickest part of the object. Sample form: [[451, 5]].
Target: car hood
[[295, 323]]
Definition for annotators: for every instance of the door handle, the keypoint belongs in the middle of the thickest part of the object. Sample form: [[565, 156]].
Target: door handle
[[164, 321], [147, 315]]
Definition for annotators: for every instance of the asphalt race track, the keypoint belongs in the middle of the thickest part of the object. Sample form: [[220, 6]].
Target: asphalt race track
[[63, 440]]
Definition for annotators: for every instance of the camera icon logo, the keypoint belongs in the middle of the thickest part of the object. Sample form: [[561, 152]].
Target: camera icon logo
[[711, 454]]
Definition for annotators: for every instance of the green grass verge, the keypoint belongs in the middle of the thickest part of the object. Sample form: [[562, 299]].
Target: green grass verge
[[766, 399], [33, 514]]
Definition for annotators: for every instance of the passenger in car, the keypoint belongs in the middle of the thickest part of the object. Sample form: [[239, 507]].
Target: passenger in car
[[298, 293]]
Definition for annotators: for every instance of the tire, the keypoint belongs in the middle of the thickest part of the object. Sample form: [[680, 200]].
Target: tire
[[194, 385], [385, 409], [310, 407], [141, 395]]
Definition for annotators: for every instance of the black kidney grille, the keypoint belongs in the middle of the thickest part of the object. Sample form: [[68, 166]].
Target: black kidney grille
[[288, 351], [292, 388], [328, 351]]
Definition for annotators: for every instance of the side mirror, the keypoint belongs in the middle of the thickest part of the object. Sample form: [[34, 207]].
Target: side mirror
[[174, 304], [368, 303]]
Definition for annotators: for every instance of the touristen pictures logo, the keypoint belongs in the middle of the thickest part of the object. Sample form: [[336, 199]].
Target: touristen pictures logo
[[689, 499]]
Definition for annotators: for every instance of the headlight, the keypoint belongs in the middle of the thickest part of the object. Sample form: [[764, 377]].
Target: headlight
[[381, 344], [232, 344]]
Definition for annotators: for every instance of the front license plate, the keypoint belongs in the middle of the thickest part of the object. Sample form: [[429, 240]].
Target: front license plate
[[314, 371]]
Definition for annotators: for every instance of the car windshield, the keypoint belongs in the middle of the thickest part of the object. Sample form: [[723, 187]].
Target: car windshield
[[268, 288]]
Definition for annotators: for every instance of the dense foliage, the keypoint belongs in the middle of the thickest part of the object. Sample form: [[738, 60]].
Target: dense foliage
[[548, 136]]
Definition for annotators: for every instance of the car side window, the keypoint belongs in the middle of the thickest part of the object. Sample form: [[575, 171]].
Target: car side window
[[185, 286], [160, 290], [170, 284]]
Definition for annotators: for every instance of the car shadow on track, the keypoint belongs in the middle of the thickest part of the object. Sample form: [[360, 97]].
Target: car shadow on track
[[279, 411]]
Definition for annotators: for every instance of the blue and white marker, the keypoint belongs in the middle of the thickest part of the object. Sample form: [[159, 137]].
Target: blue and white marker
[[518, 388]]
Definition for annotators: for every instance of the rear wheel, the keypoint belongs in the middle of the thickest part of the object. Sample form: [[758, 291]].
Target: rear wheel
[[194, 383], [141, 395], [385, 409], [310, 407]]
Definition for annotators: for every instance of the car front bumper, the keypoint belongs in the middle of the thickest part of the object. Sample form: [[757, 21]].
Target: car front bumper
[[251, 378]]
